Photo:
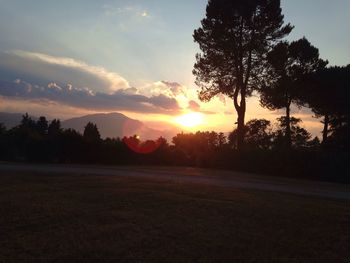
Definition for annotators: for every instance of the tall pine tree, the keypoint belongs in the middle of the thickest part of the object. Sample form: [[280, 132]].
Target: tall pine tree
[[235, 37], [290, 64]]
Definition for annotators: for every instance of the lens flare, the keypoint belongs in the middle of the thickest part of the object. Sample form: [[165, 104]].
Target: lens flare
[[142, 147]]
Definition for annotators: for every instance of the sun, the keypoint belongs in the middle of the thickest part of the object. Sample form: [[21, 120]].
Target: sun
[[190, 120]]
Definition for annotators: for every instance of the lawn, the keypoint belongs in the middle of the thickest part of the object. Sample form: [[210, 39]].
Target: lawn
[[85, 218]]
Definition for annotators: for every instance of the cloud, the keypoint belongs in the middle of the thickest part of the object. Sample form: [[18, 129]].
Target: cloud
[[121, 100], [144, 14], [183, 95], [110, 10], [131, 91], [194, 106], [114, 80], [170, 89], [175, 88], [164, 102], [75, 83]]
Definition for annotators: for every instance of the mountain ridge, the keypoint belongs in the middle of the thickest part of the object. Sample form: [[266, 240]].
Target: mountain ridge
[[110, 125]]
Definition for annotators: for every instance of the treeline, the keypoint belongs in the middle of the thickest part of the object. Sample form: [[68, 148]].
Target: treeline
[[244, 52], [265, 152]]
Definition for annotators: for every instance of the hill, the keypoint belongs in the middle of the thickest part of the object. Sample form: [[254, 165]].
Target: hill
[[113, 125], [11, 120], [109, 124]]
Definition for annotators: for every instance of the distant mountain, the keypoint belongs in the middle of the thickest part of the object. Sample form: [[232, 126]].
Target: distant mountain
[[113, 125], [110, 125], [11, 120]]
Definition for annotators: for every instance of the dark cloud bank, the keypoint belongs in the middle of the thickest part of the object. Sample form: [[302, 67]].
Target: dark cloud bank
[[87, 99]]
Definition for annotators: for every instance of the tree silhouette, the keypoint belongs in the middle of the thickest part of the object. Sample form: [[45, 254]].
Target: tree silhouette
[[3, 141], [263, 154], [328, 96], [54, 128], [234, 39], [258, 135], [222, 139], [162, 142], [73, 149], [2, 129], [340, 121], [91, 133], [27, 123], [299, 136], [42, 126], [289, 65]]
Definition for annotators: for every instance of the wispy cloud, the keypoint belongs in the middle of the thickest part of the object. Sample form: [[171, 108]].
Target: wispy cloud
[[110, 10]]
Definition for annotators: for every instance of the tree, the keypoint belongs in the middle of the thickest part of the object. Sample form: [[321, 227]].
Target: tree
[[234, 39], [54, 128], [328, 96], [289, 64], [257, 134], [91, 133], [232, 139], [3, 141], [42, 126], [222, 140], [2, 129], [299, 136], [27, 123], [72, 147], [162, 143], [315, 143], [340, 123], [198, 142]]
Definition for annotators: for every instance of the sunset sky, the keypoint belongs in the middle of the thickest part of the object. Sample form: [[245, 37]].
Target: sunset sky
[[70, 58]]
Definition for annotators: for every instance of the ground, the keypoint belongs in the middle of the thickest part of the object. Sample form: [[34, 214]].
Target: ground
[[105, 214]]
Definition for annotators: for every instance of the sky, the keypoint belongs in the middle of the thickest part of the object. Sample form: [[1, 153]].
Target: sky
[[69, 58]]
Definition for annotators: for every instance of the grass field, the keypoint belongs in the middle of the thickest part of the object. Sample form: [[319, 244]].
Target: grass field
[[85, 218]]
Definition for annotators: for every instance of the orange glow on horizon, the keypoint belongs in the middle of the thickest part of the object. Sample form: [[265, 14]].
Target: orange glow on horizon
[[190, 120]]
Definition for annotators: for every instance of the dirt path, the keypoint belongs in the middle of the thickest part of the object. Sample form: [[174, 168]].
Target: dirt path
[[197, 176]]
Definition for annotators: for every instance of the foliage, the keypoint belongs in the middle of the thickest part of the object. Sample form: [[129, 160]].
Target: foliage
[[328, 96], [290, 64], [2, 129], [42, 125], [258, 135], [54, 129], [234, 38], [91, 133], [300, 138], [263, 154]]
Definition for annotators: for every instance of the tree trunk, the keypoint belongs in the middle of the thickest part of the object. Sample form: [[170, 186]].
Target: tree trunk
[[240, 130], [241, 121], [325, 129], [288, 128]]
